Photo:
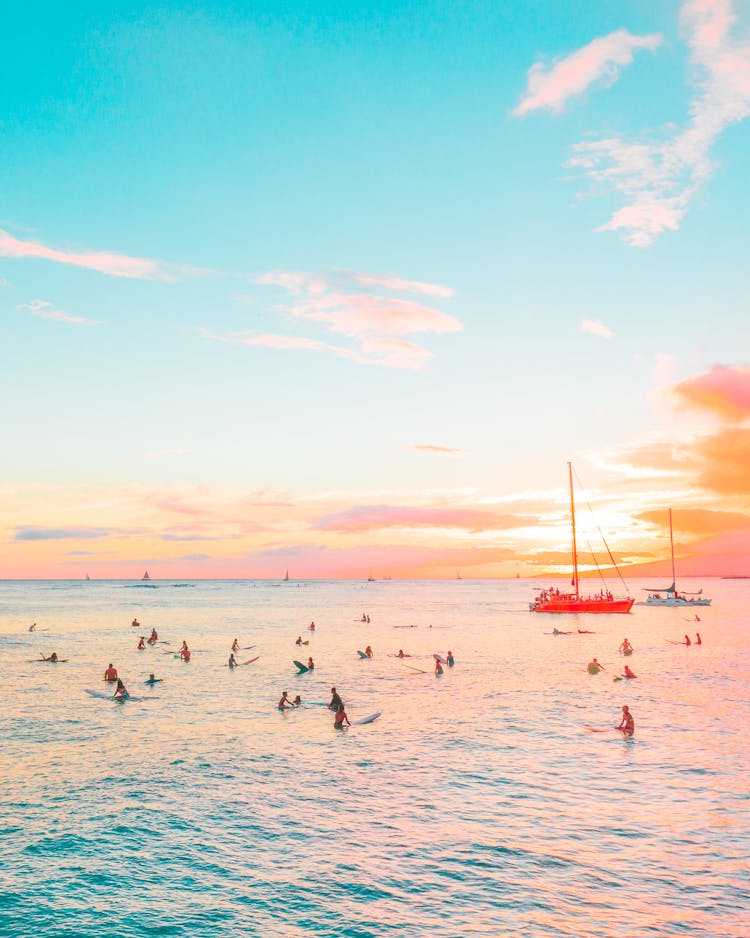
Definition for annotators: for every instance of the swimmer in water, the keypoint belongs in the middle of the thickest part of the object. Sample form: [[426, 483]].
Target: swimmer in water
[[135, 623], [285, 703], [628, 672], [121, 692], [450, 659], [152, 679], [297, 702], [558, 632], [110, 674], [235, 645], [153, 637], [336, 701], [310, 664], [141, 643], [627, 724], [299, 640], [338, 720], [438, 668], [401, 653], [311, 626], [232, 663], [698, 639], [594, 667]]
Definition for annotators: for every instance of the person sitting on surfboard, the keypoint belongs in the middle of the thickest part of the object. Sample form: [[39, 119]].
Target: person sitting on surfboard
[[185, 650], [32, 627], [135, 623], [338, 720], [698, 639], [232, 663], [594, 667], [110, 674], [336, 701], [368, 651], [401, 653], [285, 703], [627, 723], [687, 639], [625, 647], [438, 668], [235, 645], [628, 672], [141, 643], [153, 637], [310, 664], [558, 632], [121, 691]]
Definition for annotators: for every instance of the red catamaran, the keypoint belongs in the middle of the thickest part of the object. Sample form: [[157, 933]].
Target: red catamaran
[[556, 601]]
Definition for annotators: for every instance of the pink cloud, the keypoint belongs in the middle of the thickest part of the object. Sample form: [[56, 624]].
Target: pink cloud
[[723, 390], [367, 517], [601, 59], [658, 179], [45, 310], [596, 328], [390, 282], [106, 262], [431, 449]]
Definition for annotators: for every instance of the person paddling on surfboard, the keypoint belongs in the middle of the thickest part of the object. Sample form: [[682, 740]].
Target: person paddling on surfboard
[[110, 674], [53, 657], [628, 672], [153, 637], [121, 692], [152, 679], [401, 654], [285, 703], [626, 647], [336, 701], [340, 718], [141, 643], [594, 667], [627, 723]]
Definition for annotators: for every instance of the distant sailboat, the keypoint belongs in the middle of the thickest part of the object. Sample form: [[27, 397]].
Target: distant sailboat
[[671, 596], [458, 576], [146, 576], [286, 577], [88, 577]]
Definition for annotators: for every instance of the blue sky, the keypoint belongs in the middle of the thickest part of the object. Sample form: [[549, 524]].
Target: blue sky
[[236, 146]]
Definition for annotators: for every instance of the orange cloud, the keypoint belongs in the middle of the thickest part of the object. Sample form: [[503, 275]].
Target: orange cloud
[[726, 457], [703, 521], [722, 390], [369, 517]]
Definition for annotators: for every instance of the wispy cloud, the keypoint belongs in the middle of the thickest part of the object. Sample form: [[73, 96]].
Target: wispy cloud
[[657, 179], [431, 449], [722, 390], [45, 310], [596, 328], [391, 282], [105, 262], [368, 517], [600, 60], [60, 534]]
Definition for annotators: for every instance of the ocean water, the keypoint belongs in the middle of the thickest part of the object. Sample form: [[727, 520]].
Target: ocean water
[[478, 804]]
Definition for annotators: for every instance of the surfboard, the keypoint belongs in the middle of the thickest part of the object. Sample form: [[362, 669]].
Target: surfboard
[[371, 719], [627, 651], [418, 670], [50, 661], [156, 680], [362, 654], [102, 696], [301, 668], [439, 658], [250, 660]]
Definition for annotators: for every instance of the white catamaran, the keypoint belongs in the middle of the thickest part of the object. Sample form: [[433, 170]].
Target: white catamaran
[[671, 596]]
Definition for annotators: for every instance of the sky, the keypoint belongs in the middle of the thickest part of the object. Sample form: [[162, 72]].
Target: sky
[[341, 291]]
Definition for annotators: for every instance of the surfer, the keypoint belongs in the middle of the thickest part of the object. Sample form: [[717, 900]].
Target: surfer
[[235, 645], [401, 654], [141, 643], [152, 679], [367, 619], [627, 724], [311, 627], [628, 672], [153, 637], [364, 618], [310, 664], [698, 639], [299, 640], [285, 703], [338, 720], [110, 674], [368, 651], [297, 702], [697, 618], [558, 632], [53, 657], [121, 692], [626, 647], [438, 668], [232, 663], [32, 627], [135, 624], [450, 659], [594, 667], [687, 639], [336, 701]]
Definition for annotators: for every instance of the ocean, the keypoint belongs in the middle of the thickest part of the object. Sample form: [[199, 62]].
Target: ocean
[[478, 804]]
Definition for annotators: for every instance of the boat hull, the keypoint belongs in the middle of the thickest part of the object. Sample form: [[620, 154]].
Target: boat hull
[[675, 601], [562, 605]]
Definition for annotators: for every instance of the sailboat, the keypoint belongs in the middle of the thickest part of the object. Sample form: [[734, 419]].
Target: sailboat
[[88, 577], [146, 576], [556, 601], [670, 596], [286, 577]]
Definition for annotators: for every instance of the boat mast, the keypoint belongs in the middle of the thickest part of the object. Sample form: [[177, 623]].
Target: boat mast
[[573, 526], [671, 546]]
